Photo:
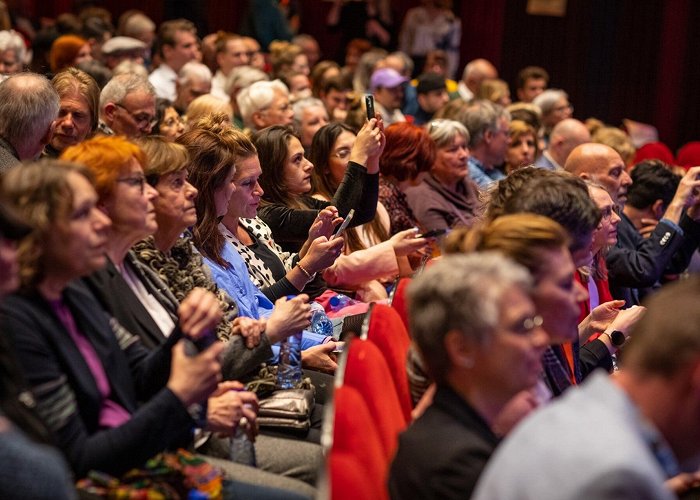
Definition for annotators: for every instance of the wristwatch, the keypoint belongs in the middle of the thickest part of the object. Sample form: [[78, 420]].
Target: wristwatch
[[616, 337]]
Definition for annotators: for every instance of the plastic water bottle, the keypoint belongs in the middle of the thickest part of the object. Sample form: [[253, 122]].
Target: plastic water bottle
[[289, 368], [320, 322], [337, 302], [242, 448]]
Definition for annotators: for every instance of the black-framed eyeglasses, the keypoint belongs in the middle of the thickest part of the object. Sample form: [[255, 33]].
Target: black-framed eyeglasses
[[142, 119], [134, 181]]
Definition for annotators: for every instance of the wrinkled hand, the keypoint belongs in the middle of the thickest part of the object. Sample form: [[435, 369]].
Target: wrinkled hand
[[406, 243], [193, 378], [320, 358], [325, 223], [228, 405], [250, 329], [322, 253], [199, 313], [648, 226], [627, 318], [288, 317]]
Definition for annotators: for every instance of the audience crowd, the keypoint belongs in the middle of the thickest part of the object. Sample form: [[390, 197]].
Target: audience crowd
[[162, 188]]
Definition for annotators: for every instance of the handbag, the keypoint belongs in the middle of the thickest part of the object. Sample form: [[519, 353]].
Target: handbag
[[283, 409], [287, 409]]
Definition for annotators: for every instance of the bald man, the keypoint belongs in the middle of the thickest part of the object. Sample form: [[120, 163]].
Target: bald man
[[636, 263], [475, 72], [566, 135]]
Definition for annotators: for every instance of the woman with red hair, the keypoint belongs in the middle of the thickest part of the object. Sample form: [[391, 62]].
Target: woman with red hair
[[67, 51], [407, 157]]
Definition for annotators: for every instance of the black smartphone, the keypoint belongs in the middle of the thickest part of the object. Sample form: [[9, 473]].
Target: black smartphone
[[369, 104], [434, 233]]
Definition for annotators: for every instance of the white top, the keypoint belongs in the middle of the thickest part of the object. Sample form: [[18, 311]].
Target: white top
[[163, 79], [160, 316], [218, 86]]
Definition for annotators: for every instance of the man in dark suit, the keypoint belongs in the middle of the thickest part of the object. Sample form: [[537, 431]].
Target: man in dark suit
[[636, 262]]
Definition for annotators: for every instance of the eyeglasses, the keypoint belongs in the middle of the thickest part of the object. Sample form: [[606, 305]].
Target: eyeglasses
[[527, 326], [136, 181], [564, 107], [142, 119]]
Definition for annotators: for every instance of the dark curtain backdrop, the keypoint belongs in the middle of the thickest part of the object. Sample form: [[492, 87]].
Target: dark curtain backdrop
[[616, 58]]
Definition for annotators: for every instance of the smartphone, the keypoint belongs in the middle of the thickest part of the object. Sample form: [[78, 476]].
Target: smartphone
[[344, 225], [369, 104], [434, 233]]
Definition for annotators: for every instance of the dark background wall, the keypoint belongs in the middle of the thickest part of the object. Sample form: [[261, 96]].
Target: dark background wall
[[616, 58]]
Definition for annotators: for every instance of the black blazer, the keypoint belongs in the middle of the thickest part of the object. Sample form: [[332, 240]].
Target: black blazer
[[443, 453], [116, 297], [67, 396]]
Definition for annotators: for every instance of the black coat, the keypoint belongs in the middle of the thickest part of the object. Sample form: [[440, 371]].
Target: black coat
[[66, 392], [443, 453]]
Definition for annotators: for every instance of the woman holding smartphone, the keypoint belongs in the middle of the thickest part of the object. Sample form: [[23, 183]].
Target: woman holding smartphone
[[287, 206]]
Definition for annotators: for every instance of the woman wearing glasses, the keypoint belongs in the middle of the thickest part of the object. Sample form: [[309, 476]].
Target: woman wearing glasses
[[169, 124], [146, 305], [447, 197], [371, 256], [86, 372]]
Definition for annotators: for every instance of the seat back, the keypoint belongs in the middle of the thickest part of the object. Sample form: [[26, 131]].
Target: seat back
[[357, 463], [398, 301], [367, 372], [387, 331]]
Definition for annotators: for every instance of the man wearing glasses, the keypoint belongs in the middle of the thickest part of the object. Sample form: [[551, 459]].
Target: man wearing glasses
[[127, 107]]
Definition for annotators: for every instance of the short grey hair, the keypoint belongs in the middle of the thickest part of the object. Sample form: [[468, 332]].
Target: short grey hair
[[28, 106], [483, 115], [11, 40], [244, 76], [548, 99], [305, 103], [194, 70], [460, 292], [443, 132], [120, 86], [258, 97]]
